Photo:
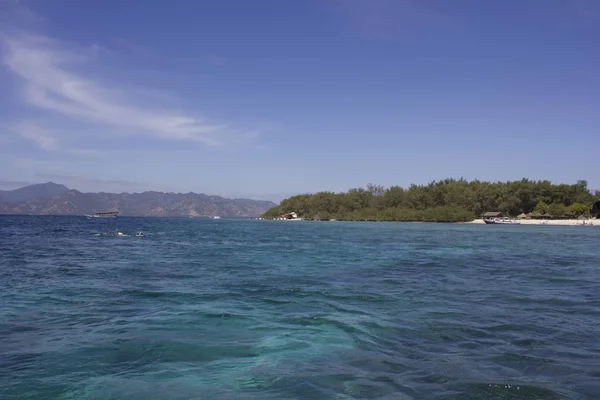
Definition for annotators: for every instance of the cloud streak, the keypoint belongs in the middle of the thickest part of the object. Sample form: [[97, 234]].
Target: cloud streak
[[48, 71], [10, 185], [48, 139], [84, 179], [42, 139], [29, 163], [385, 19]]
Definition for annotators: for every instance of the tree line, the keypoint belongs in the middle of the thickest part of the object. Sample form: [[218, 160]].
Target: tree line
[[448, 200]]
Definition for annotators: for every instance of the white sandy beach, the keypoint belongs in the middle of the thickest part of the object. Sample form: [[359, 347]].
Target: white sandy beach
[[557, 222]]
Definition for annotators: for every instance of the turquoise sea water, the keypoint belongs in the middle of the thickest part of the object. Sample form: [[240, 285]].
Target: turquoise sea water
[[233, 309]]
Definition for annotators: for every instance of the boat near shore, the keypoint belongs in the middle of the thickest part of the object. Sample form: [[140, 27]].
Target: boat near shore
[[496, 218], [289, 217], [501, 221]]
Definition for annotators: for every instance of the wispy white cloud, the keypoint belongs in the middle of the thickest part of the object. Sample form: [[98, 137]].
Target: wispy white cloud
[[34, 164], [48, 139], [10, 185], [88, 180], [274, 197], [386, 19], [42, 139], [15, 13], [52, 80], [584, 8]]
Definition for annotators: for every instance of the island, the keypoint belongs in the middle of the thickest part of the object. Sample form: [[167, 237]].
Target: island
[[448, 200]]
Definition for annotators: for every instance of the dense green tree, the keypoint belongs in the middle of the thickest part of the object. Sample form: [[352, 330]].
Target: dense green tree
[[393, 197], [447, 200], [578, 210], [557, 210], [541, 208]]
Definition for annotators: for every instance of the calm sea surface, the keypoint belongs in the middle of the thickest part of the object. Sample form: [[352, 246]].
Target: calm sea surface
[[232, 309]]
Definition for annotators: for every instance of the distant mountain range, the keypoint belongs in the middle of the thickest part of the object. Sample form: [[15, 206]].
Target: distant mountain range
[[53, 199], [32, 191]]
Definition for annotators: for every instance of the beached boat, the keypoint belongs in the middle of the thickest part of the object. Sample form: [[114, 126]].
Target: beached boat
[[108, 214], [501, 221]]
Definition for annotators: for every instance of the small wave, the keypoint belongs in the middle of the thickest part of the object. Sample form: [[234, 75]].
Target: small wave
[[553, 301], [504, 391], [521, 358]]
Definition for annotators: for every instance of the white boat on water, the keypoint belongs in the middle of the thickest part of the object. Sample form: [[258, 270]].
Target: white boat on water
[[289, 217], [108, 214], [501, 221], [216, 217]]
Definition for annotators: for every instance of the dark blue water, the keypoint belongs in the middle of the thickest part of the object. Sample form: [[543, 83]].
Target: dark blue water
[[297, 310]]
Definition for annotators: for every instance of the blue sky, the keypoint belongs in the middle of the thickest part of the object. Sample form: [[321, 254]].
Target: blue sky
[[266, 99]]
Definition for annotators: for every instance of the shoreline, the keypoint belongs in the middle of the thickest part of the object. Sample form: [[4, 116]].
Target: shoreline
[[553, 222], [479, 221], [543, 222]]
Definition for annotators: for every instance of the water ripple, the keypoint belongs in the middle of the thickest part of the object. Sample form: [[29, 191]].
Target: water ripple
[[237, 309]]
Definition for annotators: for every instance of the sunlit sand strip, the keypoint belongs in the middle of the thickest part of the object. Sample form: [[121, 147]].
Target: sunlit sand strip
[[556, 222]]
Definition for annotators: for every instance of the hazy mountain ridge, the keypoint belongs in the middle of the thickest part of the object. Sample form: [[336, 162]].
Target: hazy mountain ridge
[[156, 204], [32, 191]]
